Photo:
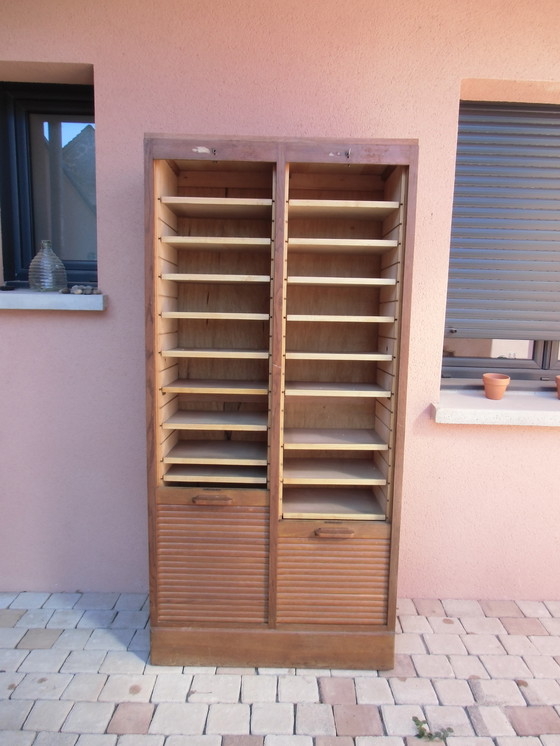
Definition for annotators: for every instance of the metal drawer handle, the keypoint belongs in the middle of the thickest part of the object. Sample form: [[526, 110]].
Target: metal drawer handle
[[334, 533], [216, 500]]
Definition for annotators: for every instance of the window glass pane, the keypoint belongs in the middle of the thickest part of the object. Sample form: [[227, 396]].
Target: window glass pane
[[510, 349], [63, 184]]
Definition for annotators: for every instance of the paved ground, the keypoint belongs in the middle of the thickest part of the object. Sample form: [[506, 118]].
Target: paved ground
[[75, 671]]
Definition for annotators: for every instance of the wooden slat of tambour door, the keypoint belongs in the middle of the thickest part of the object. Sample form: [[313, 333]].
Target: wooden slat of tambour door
[[333, 581], [212, 564]]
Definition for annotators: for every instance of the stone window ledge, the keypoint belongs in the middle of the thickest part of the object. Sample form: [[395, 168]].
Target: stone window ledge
[[24, 299]]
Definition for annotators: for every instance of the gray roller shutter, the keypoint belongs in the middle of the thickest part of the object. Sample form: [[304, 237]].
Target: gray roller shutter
[[504, 273]]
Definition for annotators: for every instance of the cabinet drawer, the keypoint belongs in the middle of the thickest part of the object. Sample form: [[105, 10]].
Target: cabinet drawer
[[211, 562], [331, 576]]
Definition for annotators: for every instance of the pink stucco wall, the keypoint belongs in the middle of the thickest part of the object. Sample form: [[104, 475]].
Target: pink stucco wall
[[72, 444]]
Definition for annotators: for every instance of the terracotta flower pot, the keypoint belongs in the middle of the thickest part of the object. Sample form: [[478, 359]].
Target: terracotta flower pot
[[495, 385], [558, 386]]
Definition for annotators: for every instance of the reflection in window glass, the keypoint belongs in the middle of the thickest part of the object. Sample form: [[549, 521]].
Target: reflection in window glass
[[63, 184], [510, 349]]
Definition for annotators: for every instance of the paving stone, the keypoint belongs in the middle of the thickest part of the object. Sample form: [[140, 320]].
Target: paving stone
[[477, 625], [483, 644], [140, 740], [95, 739], [405, 606], [546, 645], [357, 720], [240, 740], [550, 740], [109, 639], [174, 718], [533, 608], [445, 644], [505, 666], [56, 739], [497, 692], [8, 682], [171, 687], [35, 618], [490, 720], [553, 607], [453, 692], [65, 618], [11, 660], [448, 716], [84, 687], [47, 715], [83, 661], [460, 607], [6, 599], [140, 640], [10, 636], [408, 643], [16, 738], [414, 691], [429, 607], [97, 601], [518, 645], [350, 672], [523, 626], [314, 720], [288, 741], [73, 639], [228, 718], [29, 600], [62, 600], [403, 667], [552, 625], [500, 608], [373, 691], [130, 619], [9, 617], [131, 717], [13, 713], [515, 741], [96, 619], [398, 719], [272, 718], [433, 666], [125, 688], [446, 625], [38, 639], [260, 688], [236, 670], [41, 686], [123, 661], [298, 689], [414, 624], [534, 720], [380, 741], [215, 689], [45, 661], [131, 601], [543, 666], [88, 717], [541, 692], [338, 690]]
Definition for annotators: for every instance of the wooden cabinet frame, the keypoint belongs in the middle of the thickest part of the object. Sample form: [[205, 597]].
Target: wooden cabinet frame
[[277, 319]]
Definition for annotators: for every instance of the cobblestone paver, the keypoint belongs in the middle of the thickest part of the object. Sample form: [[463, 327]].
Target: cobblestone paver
[[75, 671]]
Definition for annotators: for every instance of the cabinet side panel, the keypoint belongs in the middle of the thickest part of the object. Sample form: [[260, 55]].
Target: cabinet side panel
[[333, 581]]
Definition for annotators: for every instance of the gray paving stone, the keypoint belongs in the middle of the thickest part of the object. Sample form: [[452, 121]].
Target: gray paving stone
[[29, 600], [272, 718], [88, 717], [10, 636], [192, 741], [65, 618], [171, 687], [414, 691], [228, 719], [73, 639], [96, 619], [46, 661], [449, 716], [41, 686], [47, 715], [371, 691], [97, 601], [131, 601], [215, 689], [16, 738], [85, 687], [11, 660], [298, 689], [13, 713], [314, 720], [497, 692], [6, 599], [55, 739], [83, 661], [123, 661], [148, 740], [92, 739], [62, 601], [127, 688], [109, 639], [188, 718], [398, 719], [261, 688], [288, 741], [35, 618], [130, 620]]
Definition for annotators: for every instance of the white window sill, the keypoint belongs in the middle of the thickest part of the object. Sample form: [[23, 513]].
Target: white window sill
[[24, 299], [522, 406]]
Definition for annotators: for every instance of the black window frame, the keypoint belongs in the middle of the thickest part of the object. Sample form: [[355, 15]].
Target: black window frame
[[17, 102], [545, 361]]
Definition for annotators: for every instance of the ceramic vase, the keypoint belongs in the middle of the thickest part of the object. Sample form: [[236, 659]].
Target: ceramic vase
[[495, 385]]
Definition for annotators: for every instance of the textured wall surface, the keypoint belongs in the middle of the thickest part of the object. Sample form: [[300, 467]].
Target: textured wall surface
[[72, 466]]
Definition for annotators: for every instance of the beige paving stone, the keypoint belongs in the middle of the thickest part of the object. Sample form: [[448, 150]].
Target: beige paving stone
[[56, 739], [453, 692], [409, 643], [543, 666], [131, 717], [9, 617], [88, 717], [174, 718], [533, 608], [123, 661], [314, 720], [403, 667], [505, 666], [477, 625], [272, 718], [335, 740], [288, 741], [433, 666], [38, 639], [147, 740], [499, 608], [429, 607], [357, 720], [481, 644], [549, 645], [461, 607], [444, 625], [398, 719], [414, 691], [84, 687], [445, 644], [414, 624], [127, 688], [490, 720], [497, 692], [228, 718], [373, 691], [448, 716], [524, 626], [239, 740], [338, 690], [534, 720], [517, 645], [171, 687], [47, 715], [260, 688], [215, 689], [541, 692], [298, 689], [405, 606]]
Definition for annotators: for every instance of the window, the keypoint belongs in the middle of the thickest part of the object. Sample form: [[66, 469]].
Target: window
[[503, 304], [47, 180]]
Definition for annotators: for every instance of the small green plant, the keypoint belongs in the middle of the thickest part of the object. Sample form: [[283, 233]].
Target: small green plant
[[427, 735]]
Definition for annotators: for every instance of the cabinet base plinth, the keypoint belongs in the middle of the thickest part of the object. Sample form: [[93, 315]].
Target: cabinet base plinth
[[346, 649]]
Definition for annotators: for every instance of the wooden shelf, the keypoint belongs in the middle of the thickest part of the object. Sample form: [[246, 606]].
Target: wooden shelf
[[312, 388], [218, 207], [216, 243], [219, 421], [339, 319], [367, 356], [219, 452], [216, 278], [241, 388], [191, 474], [342, 281], [341, 504], [348, 245], [332, 439], [215, 315], [220, 354], [340, 208], [331, 472]]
